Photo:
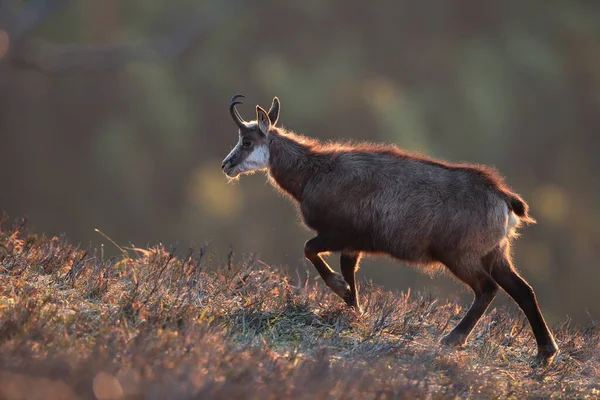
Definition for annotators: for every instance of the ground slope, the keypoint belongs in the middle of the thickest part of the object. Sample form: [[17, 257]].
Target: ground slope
[[152, 325]]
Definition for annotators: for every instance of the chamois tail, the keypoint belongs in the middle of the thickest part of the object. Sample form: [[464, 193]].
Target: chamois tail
[[517, 205]]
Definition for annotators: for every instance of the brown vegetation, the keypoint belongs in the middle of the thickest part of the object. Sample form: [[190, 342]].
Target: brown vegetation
[[74, 324]]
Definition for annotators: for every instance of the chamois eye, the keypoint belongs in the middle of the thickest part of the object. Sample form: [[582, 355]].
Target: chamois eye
[[246, 143]]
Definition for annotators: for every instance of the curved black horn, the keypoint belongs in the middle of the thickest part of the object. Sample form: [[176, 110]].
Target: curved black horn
[[237, 118]]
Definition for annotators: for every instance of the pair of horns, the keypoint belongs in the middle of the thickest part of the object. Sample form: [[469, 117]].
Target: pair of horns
[[239, 121], [237, 118]]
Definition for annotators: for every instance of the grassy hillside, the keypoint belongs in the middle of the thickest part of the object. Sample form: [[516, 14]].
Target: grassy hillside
[[151, 325]]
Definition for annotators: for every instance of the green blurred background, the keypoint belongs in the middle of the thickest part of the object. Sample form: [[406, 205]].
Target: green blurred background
[[114, 115]]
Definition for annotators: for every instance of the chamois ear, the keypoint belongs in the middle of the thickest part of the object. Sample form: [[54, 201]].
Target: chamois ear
[[264, 123], [274, 111]]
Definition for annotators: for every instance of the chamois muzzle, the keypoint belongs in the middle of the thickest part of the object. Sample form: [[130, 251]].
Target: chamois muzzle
[[237, 118]]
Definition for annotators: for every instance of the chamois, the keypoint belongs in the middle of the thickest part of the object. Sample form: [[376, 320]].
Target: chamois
[[378, 199]]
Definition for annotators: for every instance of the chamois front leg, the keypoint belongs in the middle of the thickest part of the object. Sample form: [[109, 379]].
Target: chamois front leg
[[349, 266], [335, 281]]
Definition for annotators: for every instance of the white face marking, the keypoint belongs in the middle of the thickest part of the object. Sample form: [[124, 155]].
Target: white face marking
[[258, 159]]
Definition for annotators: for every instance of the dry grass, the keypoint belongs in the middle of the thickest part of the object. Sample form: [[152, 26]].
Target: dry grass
[[150, 325]]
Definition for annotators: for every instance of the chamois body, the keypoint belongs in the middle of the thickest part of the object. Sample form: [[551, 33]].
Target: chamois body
[[378, 199]]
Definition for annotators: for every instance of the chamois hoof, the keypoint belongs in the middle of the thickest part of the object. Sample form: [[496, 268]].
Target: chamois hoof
[[453, 339], [351, 302], [338, 285], [545, 356]]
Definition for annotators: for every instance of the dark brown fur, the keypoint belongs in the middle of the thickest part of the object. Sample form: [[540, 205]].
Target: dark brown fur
[[372, 198]]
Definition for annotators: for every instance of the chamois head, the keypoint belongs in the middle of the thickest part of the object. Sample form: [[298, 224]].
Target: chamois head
[[251, 152]]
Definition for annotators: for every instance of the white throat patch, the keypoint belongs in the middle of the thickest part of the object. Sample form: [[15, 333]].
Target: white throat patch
[[258, 159]]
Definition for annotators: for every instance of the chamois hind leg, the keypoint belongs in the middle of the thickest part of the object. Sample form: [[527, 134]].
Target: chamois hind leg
[[485, 289], [335, 281], [501, 268], [349, 266]]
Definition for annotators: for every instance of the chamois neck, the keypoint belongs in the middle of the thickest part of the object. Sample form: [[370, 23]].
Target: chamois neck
[[292, 161]]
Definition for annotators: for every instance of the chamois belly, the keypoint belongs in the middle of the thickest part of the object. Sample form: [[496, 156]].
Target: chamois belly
[[409, 230], [371, 231]]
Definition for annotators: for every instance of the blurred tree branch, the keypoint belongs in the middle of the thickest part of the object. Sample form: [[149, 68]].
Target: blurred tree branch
[[18, 23], [54, 58], [14, 24]]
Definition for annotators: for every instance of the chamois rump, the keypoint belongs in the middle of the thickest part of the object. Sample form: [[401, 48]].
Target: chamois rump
[[378, 199]]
